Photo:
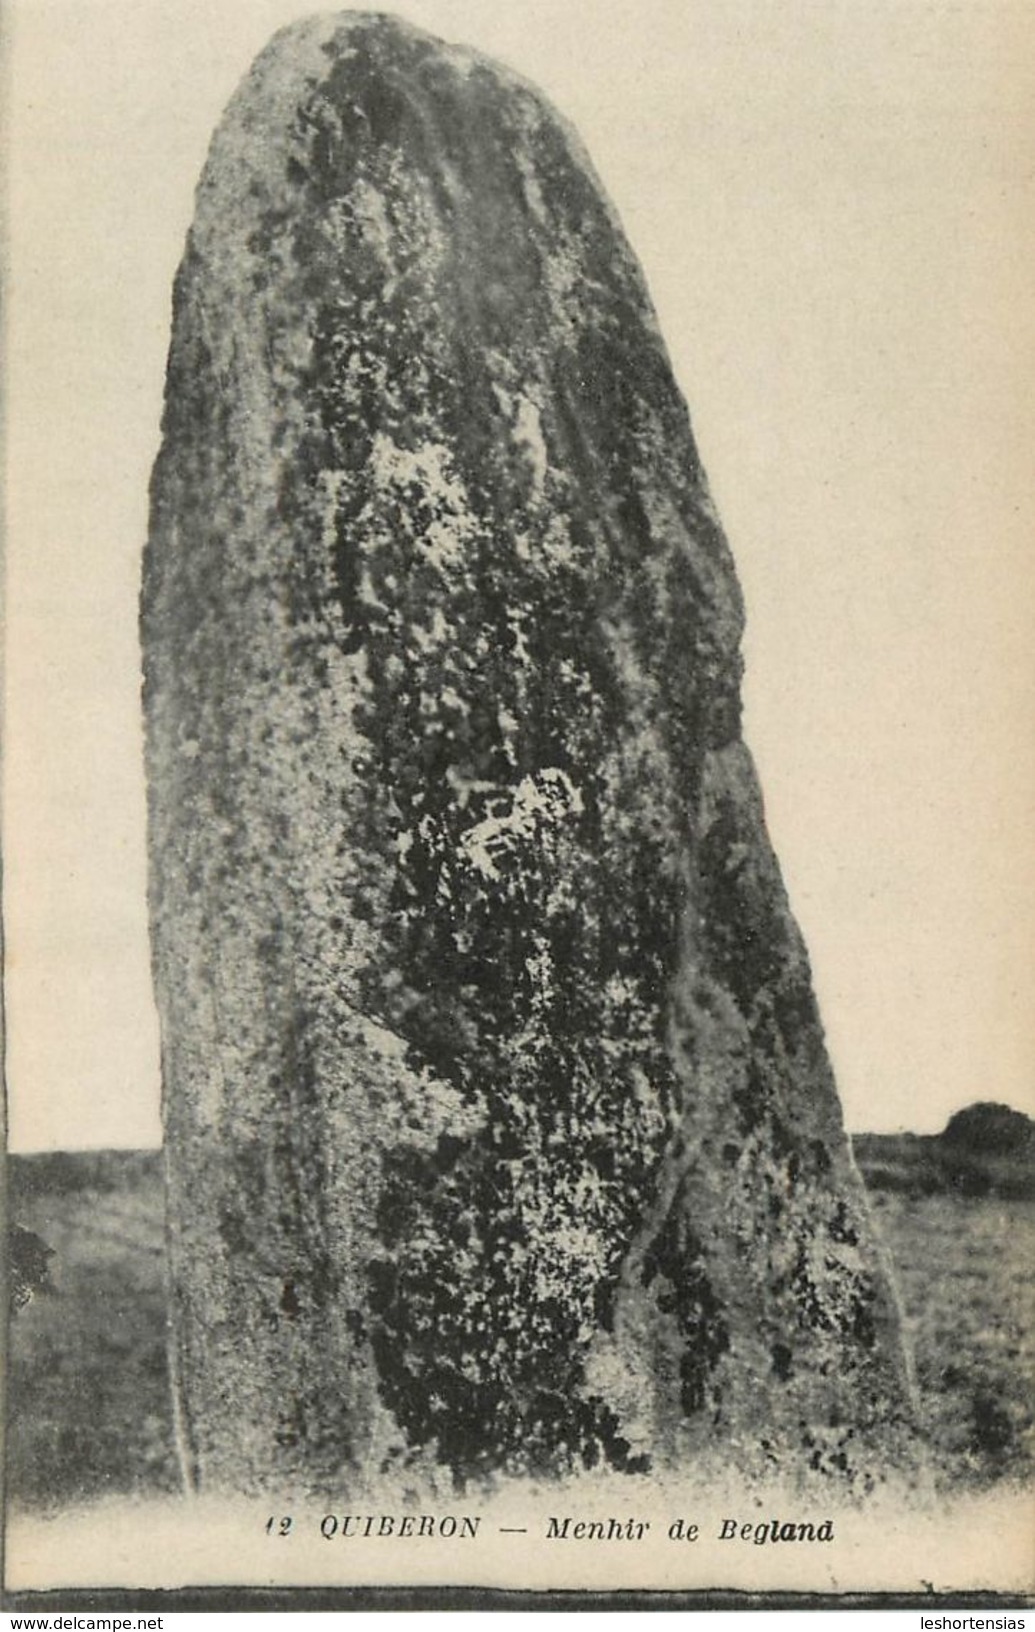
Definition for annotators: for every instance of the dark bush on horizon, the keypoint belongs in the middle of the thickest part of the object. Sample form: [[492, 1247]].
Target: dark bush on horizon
[[990, 1129]]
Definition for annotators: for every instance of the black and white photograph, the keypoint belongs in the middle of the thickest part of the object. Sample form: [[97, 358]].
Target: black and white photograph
[[519, 801]]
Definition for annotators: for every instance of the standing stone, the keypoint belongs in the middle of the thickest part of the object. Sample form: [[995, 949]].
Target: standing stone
[[501, 1134]]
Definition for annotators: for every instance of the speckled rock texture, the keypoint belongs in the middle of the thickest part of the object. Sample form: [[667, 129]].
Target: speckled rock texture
[[501, 1133]]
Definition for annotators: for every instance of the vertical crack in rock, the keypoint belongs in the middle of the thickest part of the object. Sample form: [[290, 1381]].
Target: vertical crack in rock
[[500, 1131]]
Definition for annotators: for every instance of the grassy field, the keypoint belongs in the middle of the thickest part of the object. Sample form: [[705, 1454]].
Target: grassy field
[[964, 1271], [88, 1407], [88, 1397]]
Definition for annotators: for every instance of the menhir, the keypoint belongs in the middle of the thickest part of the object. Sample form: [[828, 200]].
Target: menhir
[[501, 1134]]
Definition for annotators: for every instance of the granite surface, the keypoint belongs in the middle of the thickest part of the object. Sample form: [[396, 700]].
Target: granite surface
[[502, 1137]]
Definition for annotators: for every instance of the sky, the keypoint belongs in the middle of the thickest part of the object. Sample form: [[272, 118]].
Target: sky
[[833, 204]]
